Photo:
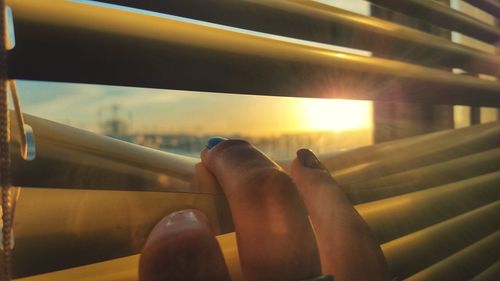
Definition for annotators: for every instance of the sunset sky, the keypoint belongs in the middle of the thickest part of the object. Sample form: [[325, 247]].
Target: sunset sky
[[168, 111]]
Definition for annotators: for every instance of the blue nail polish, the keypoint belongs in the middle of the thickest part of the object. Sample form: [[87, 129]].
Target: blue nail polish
[[214, 141]]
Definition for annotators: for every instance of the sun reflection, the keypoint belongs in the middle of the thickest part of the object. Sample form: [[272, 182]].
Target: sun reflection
[[336, 114]]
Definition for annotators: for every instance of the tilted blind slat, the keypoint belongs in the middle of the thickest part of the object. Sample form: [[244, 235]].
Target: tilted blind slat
[[466, 263], [414, 252], [69, 41], [344, 159], [314, 21], [400, 215], [490, 273], [444, 16], [491, 7], [424, 177], [441, 149], [63, 149], [87, 143], [74, 227]]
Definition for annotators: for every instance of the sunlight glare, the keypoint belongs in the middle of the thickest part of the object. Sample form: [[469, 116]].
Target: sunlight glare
[[336, 114]]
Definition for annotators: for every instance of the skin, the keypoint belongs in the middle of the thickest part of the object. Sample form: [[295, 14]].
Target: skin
[[271, 212], [348, 249]]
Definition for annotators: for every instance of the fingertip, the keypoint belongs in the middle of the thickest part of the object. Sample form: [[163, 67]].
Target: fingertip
[[307, 168], [216, 144], [308, 159], [213, 141], [182, 247], [177, 222], [313, 180], [227, 153]]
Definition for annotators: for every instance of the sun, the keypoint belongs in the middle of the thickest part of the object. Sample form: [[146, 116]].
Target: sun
[[336, 114]]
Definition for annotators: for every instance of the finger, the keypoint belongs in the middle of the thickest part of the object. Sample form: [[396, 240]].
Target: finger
[[345, 242], [274, 237], [204, 181], [182, 247]]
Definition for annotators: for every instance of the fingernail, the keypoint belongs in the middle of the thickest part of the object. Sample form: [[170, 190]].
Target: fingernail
[[177, 222], [308, 159], [214, 141], [189, 216]]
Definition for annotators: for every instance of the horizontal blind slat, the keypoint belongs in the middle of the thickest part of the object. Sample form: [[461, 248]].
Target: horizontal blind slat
[[400, 215], [423, 154], [344, 159], [444, 16], [466, 263], [491, 7], [490, 273], [414, 252], [77, 42], [440, 173], [61, 228], [314, 21], [67, 157]]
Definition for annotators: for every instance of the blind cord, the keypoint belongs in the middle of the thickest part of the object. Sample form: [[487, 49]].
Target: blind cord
[[5, 269], [19, 117]]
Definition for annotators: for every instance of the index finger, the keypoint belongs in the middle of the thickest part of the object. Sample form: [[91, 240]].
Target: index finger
[[274, 237]]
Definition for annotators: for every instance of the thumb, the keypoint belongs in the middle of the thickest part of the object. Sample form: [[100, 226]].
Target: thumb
[[182, 247]]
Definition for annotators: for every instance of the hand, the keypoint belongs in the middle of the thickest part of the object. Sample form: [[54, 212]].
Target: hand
[[270, 212]]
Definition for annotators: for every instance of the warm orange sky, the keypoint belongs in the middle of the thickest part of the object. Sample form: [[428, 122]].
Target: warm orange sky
[[163, 111]]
